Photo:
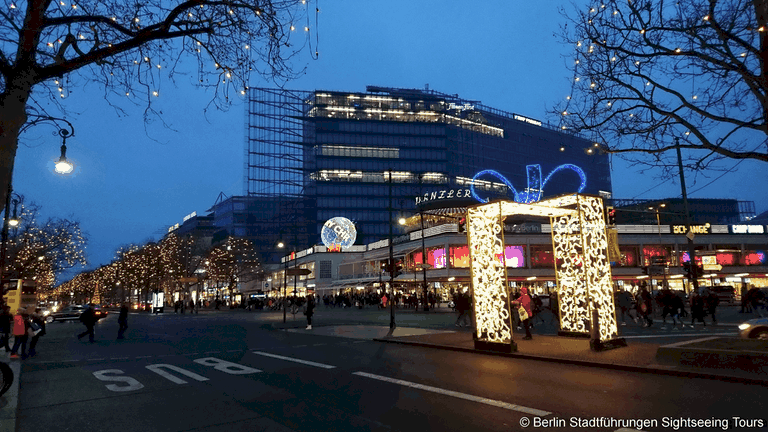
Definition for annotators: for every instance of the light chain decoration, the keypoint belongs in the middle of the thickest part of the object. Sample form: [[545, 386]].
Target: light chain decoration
[[581, 263], [569, 266], [597, 265], [491, 299]]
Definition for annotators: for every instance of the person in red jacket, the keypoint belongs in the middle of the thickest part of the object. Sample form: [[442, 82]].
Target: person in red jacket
[[20, 326], [525, 301]]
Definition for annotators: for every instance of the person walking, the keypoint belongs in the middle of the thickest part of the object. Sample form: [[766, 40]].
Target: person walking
[[712, 301], [678, 307], [524, 302], [37, 326], [20, 326], [697, 309], [624, 301], [192, 306], [645, 307], [462, 305], [88, 318], [122, 320], [745, 306], [6, 319], [310, 309]]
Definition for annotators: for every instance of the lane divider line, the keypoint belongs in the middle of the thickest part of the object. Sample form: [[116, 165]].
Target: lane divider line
[[295, 360], [491, 402]]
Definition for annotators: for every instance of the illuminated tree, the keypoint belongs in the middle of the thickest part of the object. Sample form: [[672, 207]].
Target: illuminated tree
[[648, 74], [40, 252], [47, 47], [233, 261]]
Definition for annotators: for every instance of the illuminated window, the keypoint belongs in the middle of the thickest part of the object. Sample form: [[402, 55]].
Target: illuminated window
[[751, 258], [460, 256], [541, 256]]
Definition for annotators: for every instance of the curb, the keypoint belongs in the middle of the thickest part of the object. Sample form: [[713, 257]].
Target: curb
[[612, 366], [10, 400]]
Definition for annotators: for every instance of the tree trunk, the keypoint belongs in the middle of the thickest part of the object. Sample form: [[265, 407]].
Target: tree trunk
[[13, 115], [761, 12]]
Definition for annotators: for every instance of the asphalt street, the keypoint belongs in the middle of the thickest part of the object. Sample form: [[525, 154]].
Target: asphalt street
[[233, 371]]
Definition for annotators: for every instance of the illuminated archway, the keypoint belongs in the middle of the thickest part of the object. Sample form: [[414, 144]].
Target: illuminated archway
[[582, 268]]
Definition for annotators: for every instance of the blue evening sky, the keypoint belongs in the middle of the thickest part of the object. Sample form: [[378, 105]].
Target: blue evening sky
[[135, 180]]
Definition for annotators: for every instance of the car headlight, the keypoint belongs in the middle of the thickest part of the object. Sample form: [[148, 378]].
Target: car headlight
[[744, 326], [46, 313]]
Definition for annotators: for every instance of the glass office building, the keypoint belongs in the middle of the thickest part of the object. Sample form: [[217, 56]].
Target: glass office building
[[315, 155]]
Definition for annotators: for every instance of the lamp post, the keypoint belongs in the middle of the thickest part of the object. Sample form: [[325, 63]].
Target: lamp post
[[7, 222], [658, 226], [64, 166], [691, 248]]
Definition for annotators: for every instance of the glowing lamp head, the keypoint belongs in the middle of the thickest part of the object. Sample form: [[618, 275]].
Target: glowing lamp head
[[14, 222], [63, 166]]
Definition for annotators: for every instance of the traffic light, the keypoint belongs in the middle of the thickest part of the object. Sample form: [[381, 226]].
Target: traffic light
[[692, 271], [610, 216], [385, 266], [462, 225], [398, 268]]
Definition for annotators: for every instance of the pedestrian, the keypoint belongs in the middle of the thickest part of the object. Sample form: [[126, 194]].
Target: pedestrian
[[192, 306], [122, 320], [624, 302], [37, 325], [462, 305], [697, 309], [645, 307], [176, 306], [712, 301], [20, 326], [525, 311], [745, 306], [88, 318], [678, 307], [310, 309], [6, 319]]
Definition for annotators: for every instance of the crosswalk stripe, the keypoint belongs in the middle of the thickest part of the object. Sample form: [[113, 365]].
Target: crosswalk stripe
[[295, 360], [459, 395]]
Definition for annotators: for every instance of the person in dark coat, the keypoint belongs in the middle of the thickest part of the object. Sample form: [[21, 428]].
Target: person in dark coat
[[122, 320], [697, 308], [88, 318], [712, 301], [310, 310], [5, 327], [39, 322]]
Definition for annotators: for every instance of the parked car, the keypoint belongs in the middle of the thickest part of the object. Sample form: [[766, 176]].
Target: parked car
[[754, 329], [726, 294], [69, 313], [73, 312]]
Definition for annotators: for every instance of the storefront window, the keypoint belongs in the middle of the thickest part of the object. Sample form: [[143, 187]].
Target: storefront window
[[542, 257], [628, 256], [514, 255], [459, 256], [753, 257], [653, 251]]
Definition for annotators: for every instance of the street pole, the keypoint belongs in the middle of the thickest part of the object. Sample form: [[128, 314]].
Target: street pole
[[391, 263], [663, 269], [691, 248], [423, 263], [285, 293], [4, 246]]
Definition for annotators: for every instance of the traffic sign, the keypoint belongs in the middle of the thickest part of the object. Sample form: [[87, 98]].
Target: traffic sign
[[713, 267], [297, 272]]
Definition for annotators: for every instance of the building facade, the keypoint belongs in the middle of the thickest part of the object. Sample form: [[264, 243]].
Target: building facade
[[315, 155]]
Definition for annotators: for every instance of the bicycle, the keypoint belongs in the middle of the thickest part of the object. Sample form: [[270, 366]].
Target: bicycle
[[6, 375]]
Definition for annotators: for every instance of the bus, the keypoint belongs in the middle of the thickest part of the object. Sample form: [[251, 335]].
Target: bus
[[20, 293]]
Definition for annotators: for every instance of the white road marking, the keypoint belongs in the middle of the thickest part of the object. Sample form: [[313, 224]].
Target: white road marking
[[459, 395], [306, 362], [661, 335], [143, 357], [119, 358]]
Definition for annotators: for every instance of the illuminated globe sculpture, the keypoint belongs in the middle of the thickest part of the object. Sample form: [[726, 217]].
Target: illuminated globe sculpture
[[338, 233]]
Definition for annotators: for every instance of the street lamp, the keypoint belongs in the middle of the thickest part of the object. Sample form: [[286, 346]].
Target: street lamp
[[8, 221], [64, 166], [658, 225]]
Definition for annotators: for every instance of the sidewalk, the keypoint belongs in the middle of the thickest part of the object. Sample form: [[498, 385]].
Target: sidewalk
[[437, 331], [9, 402]]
